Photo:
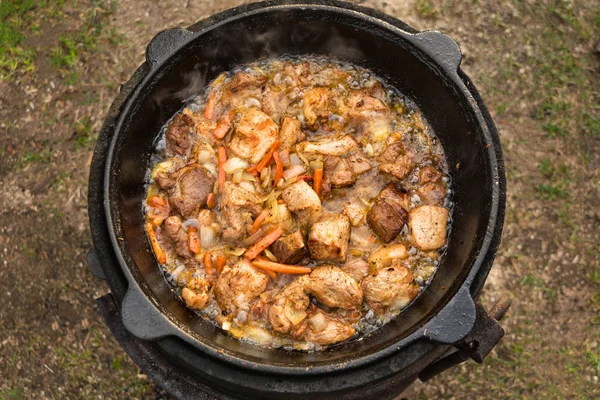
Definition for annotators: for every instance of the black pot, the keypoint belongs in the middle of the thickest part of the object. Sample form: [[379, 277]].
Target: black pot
[[424, 66]]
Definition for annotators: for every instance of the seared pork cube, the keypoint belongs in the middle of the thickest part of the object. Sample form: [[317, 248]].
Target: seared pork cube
[[254, 136], [237, 286], [316, 105], [391, 288], [328, 238], [302, 200], [394, 161], [243, 80], [355, 212], [427, 226], [195, 293], [339, 171], [238, 205], [334, 288], [388, 214], [432, 193], [191, 190], [429, 174], [179, 135], [323, 329], [290, 249], [290, 132], [330, 147], [356, 268], [359, 164], [360, 100], [275, 102]]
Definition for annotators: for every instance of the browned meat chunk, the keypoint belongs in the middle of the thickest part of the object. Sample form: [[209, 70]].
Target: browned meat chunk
[[179, 135], [316, 105], [339, 171], [328, 238], [394, 161], [171, 226], [388, 214], [195, 293], [334, 288], [391, 288], [323, 329], [275, 102], [236, 287], [432, 193], [194, 183], [359, 100], [302, 200], [179, 237], [357, 269], [289, 305], [386, 256], [243, 80], [355, 211], [429, 174], [238, 206], [359, 164], [254, 135], [290, 132], [330, 147], [290, 249], [428, 227]]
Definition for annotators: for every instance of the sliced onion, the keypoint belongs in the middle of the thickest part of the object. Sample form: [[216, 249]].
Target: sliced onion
[[249, 186], [294, 171], [270, 255], [295, 160], [234, 164], [177, 271], [226, 325], [208, 237], [335, 117], [191, 222], [265, 177], [251, 101], [210, 168], [237, 176], [203, 156]]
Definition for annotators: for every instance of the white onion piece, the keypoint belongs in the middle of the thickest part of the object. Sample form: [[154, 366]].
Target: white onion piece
[[208, 237], [295, 160], [251, 101], [234, 164], [335, 117], [265, 177], [191, 222], [226, 325], [270, 255], [277, 78], [210, 168], [294, 171], [177, 271], [237, 176], [203, 156], [249, 186]]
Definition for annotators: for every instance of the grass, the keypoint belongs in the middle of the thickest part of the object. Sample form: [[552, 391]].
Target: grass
[[426, 9], [552, 192], [83, 132], [13, 23], [41, 156], [535, 282]]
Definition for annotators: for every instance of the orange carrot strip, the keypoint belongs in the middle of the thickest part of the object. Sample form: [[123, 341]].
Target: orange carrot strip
[[160, 254], [193, 240], [157, 201], [272, 274], [263, 243], [209, 111], [211, 201], [159, 209], [259, 220], [281, 268], [266, 159], [222, 175], [279, 167], [220, 264], [222, 127], [318, 180], [304, 177], [208, 264]]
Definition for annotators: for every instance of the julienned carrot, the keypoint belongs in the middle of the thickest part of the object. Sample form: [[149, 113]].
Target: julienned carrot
[[281, 268], [263, 243], [208, 264], [272, 274], [211, 201], [193, 240], [222, 127], [222, 157], [318, 179], [209, 111], [220, 264], [159, 211], [266, 159], [278, 167], [160, 254], [259, 220]]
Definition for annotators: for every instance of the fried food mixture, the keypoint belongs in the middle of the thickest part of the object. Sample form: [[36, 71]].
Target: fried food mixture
[[298, 203]]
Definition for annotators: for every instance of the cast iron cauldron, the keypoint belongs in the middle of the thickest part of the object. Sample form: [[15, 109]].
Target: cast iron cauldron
[[423, 66]]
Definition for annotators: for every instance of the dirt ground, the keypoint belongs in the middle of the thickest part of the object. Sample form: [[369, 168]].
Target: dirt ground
[[537, 65]]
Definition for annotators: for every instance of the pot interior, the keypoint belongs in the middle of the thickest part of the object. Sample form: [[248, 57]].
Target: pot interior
[[305, 31]]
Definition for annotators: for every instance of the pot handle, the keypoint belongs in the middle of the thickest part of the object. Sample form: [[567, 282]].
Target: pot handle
[[477, 344], [440, 47], [165, 44]]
